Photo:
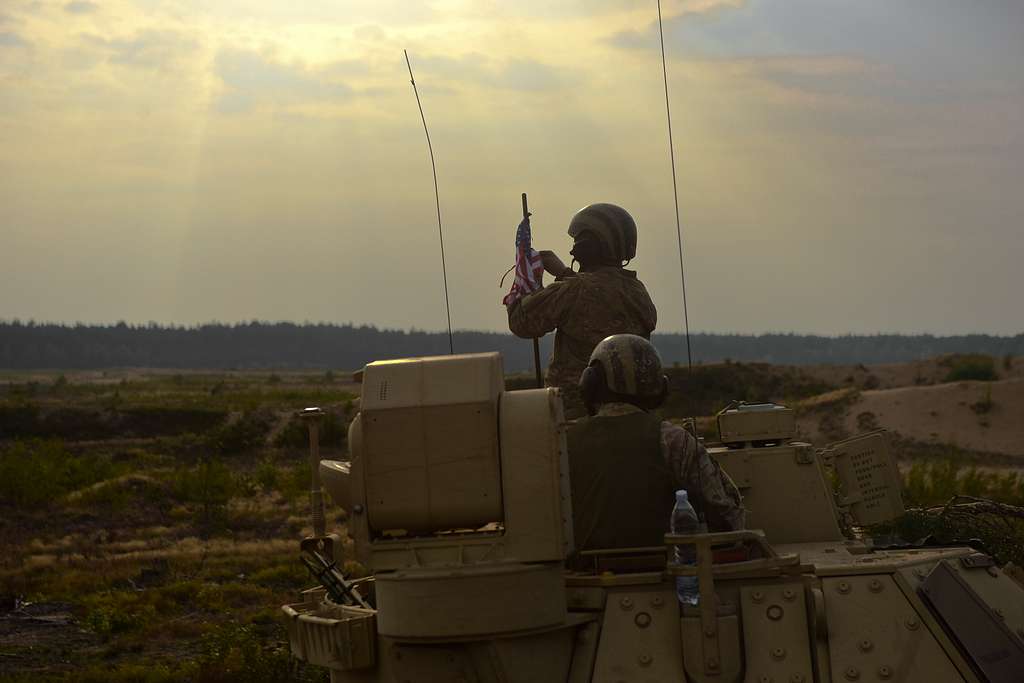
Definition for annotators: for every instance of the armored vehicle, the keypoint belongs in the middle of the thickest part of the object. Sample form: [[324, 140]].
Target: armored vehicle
[[459, 508]]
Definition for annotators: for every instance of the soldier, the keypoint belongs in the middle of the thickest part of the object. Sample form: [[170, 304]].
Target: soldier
[[625, 463], [584, 307]]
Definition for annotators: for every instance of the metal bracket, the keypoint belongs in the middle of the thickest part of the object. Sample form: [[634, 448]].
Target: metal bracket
[[706, 570]]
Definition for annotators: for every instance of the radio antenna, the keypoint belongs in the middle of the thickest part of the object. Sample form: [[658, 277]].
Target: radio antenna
[[437, 201], [675, 194], [679, 238]]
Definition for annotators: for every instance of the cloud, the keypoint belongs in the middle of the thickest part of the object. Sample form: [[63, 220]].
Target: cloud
[[81, 7], [915, 52], [252, 79], [149, 49], [518, 74], [11, 39]]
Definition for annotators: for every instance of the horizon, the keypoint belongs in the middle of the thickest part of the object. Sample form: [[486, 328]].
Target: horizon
[[455, 331]]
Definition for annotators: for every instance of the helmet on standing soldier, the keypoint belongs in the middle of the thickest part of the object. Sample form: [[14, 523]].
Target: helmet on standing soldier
[[611, 227]]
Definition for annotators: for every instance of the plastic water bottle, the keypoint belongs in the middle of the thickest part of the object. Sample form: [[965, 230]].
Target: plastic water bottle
[[684, 521]]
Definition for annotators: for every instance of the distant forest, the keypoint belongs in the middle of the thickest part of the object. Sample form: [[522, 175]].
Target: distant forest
[[344, 347]]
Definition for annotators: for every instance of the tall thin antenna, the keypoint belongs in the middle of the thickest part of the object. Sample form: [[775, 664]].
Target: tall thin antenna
[[437, 201], [675, 193]]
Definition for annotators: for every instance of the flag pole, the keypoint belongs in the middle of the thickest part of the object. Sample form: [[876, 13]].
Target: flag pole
[[536, 341]]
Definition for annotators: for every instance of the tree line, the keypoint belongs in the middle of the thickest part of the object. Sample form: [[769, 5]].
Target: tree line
[[257, 344]]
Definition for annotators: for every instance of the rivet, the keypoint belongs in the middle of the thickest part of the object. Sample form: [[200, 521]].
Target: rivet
[[999, 612], [852, 673], [657, 601], [875, 586], [710, 631], [645, 660], [757, 596], [789, 594], [626, 603], [642, 620], [765, 678], [919, 573], [796, 678], [774, 612], [843, 587], [712, 663], [912, 623], [865, 645], [779, 653], [884, 672], [357, 508]]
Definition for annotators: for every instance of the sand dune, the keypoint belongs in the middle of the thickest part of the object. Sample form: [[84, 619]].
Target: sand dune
[[982, 416]]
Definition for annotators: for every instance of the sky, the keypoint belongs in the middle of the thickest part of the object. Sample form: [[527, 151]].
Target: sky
[[843, 166]]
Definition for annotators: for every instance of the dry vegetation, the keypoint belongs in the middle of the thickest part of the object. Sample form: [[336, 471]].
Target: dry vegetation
[[149, 520], [150, 523]]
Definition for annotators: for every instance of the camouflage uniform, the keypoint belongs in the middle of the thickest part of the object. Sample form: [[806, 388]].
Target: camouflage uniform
[[696, 471], [583, 309]]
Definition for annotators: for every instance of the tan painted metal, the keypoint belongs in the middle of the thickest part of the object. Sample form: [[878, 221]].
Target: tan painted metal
[[746, 423], [875, 633], [868, 479], [784, 490], [459, 507], [492, 598], [639, 636], [775, 631]]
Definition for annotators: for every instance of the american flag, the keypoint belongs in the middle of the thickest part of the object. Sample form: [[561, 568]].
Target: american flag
[[529, 268]]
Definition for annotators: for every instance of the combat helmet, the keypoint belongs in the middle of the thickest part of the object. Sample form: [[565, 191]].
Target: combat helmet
[[612, 226], [624, 367]]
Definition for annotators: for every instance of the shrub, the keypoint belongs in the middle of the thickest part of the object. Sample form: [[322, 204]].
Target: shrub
[[935, 483], [19, 420], [235, 652], [209, 485], [247, 433], [266, 475], [970, 367], [35, 472], [985, 405]]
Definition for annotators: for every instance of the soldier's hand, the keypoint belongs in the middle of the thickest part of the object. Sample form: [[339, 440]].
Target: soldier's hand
[[553, 264]]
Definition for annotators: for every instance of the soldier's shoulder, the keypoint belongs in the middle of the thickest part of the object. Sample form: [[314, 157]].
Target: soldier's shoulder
[[674, 435]]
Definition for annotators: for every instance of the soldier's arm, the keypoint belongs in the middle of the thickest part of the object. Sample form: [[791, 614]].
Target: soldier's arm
[[541, 312], [696, 471]]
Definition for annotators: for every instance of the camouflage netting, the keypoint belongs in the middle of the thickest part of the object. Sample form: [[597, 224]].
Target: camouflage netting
[[999, 527]]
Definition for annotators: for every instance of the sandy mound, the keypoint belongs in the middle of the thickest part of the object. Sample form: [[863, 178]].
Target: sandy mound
[[983, 416], [927, 372]]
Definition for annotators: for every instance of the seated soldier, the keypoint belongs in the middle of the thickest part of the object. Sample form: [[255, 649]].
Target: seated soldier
[[626, 463]]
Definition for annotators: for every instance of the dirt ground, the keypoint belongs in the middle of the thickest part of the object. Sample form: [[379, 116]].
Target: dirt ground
[[977, 416]]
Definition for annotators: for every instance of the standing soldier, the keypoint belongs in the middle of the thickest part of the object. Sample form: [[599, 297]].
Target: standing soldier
[[584, 307]]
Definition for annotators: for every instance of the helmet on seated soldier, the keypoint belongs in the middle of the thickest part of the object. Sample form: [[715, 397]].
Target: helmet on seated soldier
[[624, 368]]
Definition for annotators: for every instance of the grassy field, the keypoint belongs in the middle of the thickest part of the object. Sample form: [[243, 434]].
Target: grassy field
[[150, 520], [150, 523]]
